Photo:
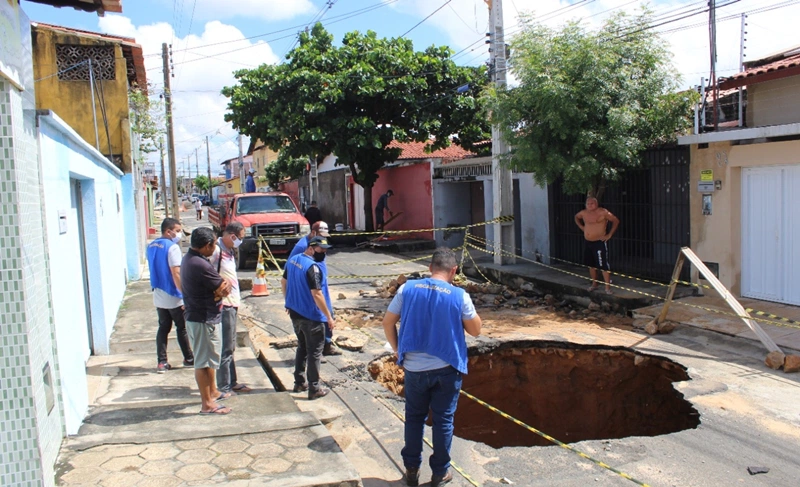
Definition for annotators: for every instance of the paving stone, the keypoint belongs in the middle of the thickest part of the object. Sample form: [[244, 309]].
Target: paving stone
[[239, 475], [271, 465], [121, 479], [118, 464], [295, 439], [159, 452], [160, 481], [122, 450], [196, 456], [202, 471], [89, 459], [232, 461], [160, 467], [229, 446], [194, 444], [83, 475], [259, 438], [298, 455], [265, 450]]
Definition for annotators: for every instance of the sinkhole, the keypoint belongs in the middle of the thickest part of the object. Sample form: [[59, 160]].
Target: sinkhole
[[569, 391]]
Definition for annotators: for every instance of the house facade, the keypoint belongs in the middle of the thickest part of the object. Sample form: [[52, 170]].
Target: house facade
[[744, 222]]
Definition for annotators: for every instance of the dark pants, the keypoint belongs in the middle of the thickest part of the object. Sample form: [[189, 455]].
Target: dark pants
[[310, 341], [328, 334], [437, 391], [165, 319], [226, 374]]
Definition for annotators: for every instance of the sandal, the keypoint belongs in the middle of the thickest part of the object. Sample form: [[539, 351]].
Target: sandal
[[223, 396], [242, 388], [221, 410], [609, 292], [592, 288]]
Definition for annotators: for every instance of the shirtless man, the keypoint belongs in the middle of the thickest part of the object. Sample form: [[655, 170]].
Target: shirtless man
[[593, 221]]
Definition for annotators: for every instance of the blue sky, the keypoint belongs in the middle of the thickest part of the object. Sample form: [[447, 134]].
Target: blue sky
[[207, 66]]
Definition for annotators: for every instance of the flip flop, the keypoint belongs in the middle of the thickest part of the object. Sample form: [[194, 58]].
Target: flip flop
[[223, 396], [609, 292], [217, 410], [241, 388], [592, 288]]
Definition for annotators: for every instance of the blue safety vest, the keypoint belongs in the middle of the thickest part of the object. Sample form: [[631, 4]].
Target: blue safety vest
[[431, 322], [160, 272], [298, 294], [300, 246]]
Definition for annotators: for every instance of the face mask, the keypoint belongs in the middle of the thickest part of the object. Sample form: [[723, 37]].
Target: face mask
[[319, 256], [176, 238], [236, 242]]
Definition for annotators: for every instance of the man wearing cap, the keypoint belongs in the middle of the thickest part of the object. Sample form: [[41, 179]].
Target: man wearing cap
[[318, 229], [250, 183], [305, 286]]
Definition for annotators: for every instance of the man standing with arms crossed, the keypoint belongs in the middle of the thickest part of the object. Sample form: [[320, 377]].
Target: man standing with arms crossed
[[203, 290], [305, 285], [432, 349], [318, 229], [224, 261], [594, 223], [164, 259]]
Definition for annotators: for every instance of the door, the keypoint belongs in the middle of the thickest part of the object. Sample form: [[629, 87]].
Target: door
[[770, 235], [357, 195], [477, 208]]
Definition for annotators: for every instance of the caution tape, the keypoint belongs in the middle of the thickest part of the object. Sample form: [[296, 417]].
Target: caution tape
[[499, 219], [650, 295], [553, 440]]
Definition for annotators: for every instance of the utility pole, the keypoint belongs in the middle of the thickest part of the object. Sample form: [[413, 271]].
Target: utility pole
[[94, 109], [712, 29], [163, 178], [173, 172], [502, 184], [241, 165], [741, 67], [208, 159], [196, 163]]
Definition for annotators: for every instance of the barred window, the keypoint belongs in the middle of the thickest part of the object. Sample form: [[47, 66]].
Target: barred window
[[72, 65]]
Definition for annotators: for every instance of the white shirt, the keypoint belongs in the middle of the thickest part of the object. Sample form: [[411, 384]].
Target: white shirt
[[161, 298], [198, 205]]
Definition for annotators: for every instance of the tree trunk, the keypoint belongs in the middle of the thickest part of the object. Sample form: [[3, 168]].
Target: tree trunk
[[597, 190], [368, 217]]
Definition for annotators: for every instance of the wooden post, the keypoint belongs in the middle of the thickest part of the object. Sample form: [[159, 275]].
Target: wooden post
[[671, 292]]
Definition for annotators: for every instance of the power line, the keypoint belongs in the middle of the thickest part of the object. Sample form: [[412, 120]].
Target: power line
[[426, 18]]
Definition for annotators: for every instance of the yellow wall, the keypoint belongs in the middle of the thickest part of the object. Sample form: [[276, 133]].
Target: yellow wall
[[230, 186], [72, 100], [262, 157], [717, 237], [774, 102]]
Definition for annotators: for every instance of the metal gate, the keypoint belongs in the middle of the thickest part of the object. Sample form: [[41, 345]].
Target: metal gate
[[652, 204]]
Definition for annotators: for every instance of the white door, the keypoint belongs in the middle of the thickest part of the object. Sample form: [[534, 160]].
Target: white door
[[770, 234]]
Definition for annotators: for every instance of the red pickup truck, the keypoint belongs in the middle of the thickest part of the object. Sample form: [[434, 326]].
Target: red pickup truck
[[272, 216]]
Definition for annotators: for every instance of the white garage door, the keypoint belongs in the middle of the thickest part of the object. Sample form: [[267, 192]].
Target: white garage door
[[771, 234]]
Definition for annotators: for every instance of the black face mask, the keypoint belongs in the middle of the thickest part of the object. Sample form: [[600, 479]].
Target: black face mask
[[319, 256]]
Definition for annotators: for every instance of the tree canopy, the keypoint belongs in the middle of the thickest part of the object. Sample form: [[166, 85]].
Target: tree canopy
[[353, 100], [588, 102], [285, 167]]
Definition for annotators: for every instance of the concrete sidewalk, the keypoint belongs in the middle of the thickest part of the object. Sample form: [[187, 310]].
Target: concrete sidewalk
[[143, 428]]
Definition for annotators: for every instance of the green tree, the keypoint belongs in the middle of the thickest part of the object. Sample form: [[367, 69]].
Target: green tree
[[588, 102], [285, 167], [147, 119], [202, 184], [355, 99]]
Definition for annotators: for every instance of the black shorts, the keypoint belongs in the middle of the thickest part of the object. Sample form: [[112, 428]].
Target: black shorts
[[595, 255]]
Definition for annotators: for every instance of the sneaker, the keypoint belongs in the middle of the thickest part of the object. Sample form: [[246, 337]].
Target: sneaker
[[330, 349], [320, 393], [412, 476], [163, 367], [437, 480], [300, 388], [188, 363]]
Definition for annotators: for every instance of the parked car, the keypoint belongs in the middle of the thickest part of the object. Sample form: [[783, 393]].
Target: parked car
[[272, 216]]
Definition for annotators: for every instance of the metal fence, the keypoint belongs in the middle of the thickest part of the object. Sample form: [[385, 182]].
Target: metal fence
[[652, 204]]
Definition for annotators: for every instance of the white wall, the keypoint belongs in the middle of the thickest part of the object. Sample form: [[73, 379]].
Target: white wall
[[65, 157], [451, 206], [535, 216]]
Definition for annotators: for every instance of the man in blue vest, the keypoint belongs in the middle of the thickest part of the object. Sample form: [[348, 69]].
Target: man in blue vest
[[305, 285], [432, 349], [164, 258], [318, 229]]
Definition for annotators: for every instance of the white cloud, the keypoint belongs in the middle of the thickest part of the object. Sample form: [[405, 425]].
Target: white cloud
[[270, 10], [200, 74]]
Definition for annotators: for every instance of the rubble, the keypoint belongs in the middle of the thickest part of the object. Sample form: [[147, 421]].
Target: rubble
[[775, 360]]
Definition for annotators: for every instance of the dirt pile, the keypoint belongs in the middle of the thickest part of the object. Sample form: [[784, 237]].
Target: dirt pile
[[573, 393]]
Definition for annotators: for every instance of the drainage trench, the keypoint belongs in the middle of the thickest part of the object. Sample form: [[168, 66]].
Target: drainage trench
[[571, 392]]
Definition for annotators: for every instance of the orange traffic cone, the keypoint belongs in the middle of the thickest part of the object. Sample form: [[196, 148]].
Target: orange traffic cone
[[260, 282]]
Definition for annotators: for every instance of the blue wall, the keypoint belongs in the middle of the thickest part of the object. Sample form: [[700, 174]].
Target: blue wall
[[134, 258]]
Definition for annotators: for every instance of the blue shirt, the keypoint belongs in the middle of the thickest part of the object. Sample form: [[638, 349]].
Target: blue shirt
[[432, 332], [250, 184], [298, 290], [160, 271], [300, 246]]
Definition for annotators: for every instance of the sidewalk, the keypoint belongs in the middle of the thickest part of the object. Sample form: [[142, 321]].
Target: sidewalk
[[143, 428]]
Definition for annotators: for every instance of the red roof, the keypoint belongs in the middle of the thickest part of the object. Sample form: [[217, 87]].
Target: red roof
[[416, 150], [99, 6], [782, 68]]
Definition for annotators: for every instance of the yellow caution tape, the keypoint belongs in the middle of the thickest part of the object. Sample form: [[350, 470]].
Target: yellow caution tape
[[500, 219], [553, 440]]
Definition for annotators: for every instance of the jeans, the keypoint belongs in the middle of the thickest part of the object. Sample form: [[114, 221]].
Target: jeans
[[165, 319], [328, 334], [437, 391], [226, 374], [310, 341]]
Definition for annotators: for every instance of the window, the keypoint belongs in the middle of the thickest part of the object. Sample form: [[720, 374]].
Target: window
[[265, 204], [72, 65]]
